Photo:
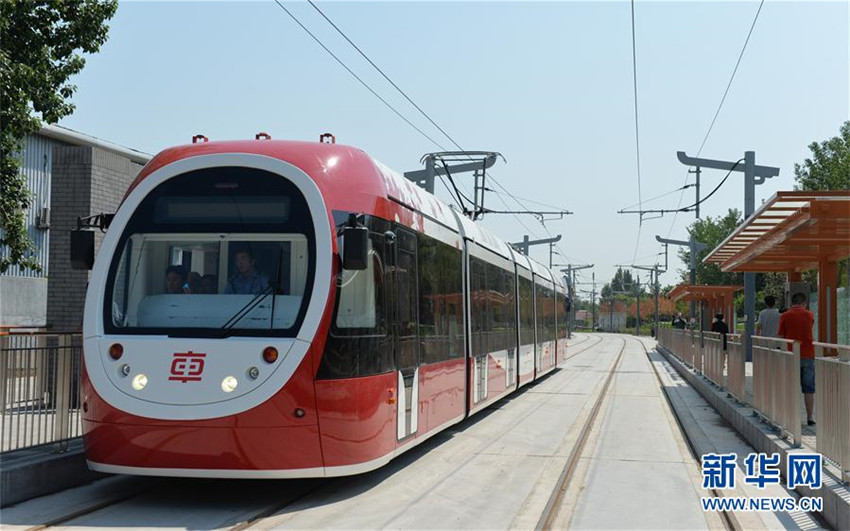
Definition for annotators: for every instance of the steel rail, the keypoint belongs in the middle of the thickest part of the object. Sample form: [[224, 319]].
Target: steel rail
[[546, 520], [729, 520]]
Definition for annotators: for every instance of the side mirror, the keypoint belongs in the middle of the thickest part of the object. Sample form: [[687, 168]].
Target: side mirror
[[355, 248], [82, 249]]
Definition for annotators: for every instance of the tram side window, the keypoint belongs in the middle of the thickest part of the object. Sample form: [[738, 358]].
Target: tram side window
[[499, 293], [545, 314], [551, 333], [440, 303], [481, 322], [562, 314], [451, 260], [359, 343], [526, 311], [510, 321]]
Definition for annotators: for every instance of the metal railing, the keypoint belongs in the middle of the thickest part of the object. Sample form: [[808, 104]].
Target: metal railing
[[776, 384], [39, 389], [832, 403], [713, 357], [736, 368], [685, 344]]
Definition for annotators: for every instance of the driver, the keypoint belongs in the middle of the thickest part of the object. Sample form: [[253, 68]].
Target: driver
[[248, 281]]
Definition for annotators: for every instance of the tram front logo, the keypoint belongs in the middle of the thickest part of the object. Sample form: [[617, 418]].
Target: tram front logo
[[187, 366]]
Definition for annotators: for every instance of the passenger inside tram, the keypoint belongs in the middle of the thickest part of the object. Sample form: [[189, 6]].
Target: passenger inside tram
[[208, 284], [248, 281], [175, 278]]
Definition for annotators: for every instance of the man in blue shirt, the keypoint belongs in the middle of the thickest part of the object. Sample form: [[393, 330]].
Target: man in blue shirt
[[248, 281]]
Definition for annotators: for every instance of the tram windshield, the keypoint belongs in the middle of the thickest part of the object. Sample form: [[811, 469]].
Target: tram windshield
[[231, 262]]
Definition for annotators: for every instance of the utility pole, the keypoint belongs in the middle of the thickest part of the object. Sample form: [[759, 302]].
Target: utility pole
[[637, 312], [571, 282], [526, 243], [593, 302], [656, 269], [694, 247], [753, 175], [696, 171]]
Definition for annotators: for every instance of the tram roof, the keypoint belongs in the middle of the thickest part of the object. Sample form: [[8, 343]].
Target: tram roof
[[345, 171]]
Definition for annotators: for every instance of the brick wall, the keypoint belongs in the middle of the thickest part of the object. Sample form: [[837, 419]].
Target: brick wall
[[85, 181]]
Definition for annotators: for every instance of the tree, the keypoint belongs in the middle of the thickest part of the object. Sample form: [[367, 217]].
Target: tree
[[711, 231], [40, 52], [829, 166], [828, 169]]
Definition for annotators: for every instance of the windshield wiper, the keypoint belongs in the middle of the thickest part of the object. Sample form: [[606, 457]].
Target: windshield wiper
[[245, 310]]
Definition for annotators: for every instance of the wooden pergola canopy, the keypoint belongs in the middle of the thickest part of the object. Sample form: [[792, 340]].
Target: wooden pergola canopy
[[793, 231], [695, 292]]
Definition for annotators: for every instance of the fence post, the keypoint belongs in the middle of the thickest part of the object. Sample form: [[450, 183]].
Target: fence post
[[5, 343], [62, 398], [796, 418]]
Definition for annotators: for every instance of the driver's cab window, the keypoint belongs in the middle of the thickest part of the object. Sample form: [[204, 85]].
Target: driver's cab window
[[168, 281]]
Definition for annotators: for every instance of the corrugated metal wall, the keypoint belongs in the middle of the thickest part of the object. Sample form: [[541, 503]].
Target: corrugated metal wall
[[37, 166]]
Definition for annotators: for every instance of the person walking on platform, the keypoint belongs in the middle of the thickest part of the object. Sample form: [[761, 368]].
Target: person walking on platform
[[797, 324], [768, 321], [679, 322]]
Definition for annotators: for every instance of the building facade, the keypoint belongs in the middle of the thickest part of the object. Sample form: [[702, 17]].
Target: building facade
[[69, 175]]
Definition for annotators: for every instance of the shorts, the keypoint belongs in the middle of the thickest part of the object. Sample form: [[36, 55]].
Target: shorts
[[807, 375]]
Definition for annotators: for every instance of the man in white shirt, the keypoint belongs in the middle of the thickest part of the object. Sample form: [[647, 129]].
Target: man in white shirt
[[768, 321]]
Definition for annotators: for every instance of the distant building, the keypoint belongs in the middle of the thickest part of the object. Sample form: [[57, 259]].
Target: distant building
[[581, 317], [69, 174], [612, 321]]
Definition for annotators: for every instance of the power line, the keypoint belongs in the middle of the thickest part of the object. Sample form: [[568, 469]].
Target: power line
[[338, 60], [634, 77], [350, 71], [637, 128], [443, 131], [519, 220], [651, 199], [418, 108], [720, 106], [732, 78], [531, 200], [716, 188], [391, 82]]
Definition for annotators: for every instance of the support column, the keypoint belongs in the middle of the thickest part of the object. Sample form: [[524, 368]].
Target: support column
[[827, 307]]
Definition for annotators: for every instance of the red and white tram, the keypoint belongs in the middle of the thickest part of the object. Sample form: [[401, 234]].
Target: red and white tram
[[224, 338]]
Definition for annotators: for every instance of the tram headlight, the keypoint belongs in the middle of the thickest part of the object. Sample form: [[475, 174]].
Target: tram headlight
[[140, 381], [228, 385]]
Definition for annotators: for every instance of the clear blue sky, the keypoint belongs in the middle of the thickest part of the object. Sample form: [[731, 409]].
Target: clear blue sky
[[549, 85]]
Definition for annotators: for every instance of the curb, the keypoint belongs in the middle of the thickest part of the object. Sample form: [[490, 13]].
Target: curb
[[33, 472]]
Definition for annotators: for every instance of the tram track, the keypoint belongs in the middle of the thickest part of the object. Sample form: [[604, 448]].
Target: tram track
[[550, 511], [274, 508], [588, 347], [727, 517], [91, 509]]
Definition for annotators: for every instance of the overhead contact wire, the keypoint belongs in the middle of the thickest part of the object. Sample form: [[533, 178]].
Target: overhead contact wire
[[720, 106]]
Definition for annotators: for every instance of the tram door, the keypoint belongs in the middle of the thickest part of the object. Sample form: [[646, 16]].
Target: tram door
[[405, 337]]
